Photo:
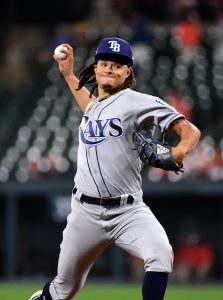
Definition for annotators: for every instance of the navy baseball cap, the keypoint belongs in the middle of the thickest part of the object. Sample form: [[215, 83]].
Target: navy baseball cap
[[114, 48]]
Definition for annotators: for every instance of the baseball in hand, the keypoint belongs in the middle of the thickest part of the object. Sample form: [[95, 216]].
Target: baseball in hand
[[59, 52]]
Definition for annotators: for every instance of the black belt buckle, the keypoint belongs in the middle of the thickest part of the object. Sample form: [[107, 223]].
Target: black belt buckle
[[108, 202]]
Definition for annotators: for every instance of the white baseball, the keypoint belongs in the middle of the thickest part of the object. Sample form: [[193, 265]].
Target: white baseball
[[59, 52]]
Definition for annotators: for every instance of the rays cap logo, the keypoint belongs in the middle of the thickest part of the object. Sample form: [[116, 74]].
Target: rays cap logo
[[116, 49]]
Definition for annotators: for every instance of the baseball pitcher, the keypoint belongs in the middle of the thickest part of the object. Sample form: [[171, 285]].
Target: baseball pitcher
[[115, 140]]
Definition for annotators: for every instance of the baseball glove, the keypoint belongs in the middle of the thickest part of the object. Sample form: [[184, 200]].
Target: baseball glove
[[155, 153]]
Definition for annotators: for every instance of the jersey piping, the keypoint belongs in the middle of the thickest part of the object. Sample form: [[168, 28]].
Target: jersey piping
[[92, 174], [96, 152]]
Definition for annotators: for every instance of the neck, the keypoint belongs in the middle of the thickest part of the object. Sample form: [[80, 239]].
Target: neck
[[105, 94]]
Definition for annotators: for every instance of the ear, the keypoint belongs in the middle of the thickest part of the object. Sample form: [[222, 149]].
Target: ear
[[95, 67], [128, 72]]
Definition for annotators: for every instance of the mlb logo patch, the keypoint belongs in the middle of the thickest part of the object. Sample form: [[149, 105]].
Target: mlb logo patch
[[160, 101]]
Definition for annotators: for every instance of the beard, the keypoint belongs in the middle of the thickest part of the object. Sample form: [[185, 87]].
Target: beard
[[109, 88]]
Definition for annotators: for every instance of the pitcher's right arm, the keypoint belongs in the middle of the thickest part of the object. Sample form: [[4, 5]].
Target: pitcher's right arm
[[66, 67]]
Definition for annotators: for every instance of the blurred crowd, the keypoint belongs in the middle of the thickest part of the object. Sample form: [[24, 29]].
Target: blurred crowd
[[51, 12], [179, 60], [193, 260]]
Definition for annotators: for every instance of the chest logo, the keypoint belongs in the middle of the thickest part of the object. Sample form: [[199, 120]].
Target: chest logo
[[94, 132]]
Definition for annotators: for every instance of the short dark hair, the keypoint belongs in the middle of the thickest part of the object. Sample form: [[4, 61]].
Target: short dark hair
[[87, 76]]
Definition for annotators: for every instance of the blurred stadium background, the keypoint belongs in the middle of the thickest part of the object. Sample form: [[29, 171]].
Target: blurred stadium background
[[178, 49]]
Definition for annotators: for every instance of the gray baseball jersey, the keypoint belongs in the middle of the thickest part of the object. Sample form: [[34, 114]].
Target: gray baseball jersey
[[109, 166], [107, 162]]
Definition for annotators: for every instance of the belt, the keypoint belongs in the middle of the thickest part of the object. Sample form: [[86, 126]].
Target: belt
[[107, 202]]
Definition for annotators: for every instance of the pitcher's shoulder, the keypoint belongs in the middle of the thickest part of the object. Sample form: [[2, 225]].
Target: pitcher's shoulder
[[139, 95]]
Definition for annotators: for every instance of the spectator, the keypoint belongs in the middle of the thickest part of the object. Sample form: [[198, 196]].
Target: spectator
[[142, 38], [189, 36], [177, 101], [193, 259], [136, 269], [218, 43]]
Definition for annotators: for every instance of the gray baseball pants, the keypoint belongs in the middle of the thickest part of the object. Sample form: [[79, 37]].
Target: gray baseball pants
[[91, 228]]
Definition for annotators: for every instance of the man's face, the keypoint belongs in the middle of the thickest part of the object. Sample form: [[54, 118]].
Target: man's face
[[111, 75]]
